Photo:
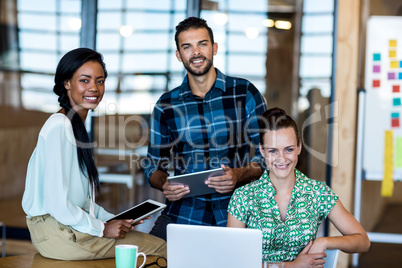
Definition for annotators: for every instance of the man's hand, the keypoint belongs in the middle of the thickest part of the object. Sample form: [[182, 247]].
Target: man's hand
[[223, 184], [174, 192], [117, 229]]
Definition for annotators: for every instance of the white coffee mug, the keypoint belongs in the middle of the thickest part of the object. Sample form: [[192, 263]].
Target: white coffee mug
[[127, 255]]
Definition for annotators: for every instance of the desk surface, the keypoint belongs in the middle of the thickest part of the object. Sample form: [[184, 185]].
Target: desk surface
[[37, 261]]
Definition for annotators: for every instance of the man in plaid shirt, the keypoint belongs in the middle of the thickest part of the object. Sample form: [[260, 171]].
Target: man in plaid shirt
[[209, 121]]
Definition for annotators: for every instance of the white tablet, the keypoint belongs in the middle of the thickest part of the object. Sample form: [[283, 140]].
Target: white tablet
[[140, 211], [196, 181]]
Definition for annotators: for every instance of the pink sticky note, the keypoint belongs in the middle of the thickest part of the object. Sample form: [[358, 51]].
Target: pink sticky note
[[376, 68]]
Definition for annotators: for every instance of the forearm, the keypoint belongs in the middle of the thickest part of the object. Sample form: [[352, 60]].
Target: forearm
[[157, 179], [248, 173], [353, 243]]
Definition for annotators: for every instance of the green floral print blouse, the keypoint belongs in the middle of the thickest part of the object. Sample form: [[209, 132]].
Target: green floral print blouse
[[310, 203]]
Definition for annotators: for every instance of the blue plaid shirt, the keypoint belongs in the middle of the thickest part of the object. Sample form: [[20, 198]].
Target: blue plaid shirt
[[194, 134]]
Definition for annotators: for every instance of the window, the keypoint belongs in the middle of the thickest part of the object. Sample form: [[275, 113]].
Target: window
[[137, 41], [241, 36], [47, 29]]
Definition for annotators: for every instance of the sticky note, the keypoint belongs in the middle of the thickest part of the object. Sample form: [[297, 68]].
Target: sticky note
[[392, 43], [376, 69], [376, 83], [400, 76], [395, 115], [376, 57], [394, 64], [391, 76], [396, 88], [387, 185], [395, 122], [400, 64], [392, 53], [397, 101], [398, 152]]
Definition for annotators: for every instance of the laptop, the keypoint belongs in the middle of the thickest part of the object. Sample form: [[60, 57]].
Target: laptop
[[198, 246]]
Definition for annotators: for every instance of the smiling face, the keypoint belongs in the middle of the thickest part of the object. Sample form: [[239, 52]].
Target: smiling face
[[87, 86], [196, 51], [281, 150]]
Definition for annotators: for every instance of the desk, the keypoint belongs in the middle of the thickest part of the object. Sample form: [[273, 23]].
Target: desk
[[37, 261]]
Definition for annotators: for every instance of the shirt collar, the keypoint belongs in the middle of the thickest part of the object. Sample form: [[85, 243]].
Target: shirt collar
[[220, 83]]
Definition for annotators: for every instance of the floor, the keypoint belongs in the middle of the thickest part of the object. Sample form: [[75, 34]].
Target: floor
[[380, 255]]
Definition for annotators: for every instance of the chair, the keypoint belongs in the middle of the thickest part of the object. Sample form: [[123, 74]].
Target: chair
[[3, 239], [332, 258]]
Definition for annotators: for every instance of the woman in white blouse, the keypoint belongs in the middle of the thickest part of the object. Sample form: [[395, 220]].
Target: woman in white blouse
[[62, 217]]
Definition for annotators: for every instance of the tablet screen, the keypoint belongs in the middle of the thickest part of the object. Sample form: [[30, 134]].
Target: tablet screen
[[137, 211]]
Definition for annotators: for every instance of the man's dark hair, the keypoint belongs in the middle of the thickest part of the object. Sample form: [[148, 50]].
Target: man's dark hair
[[195, 23]]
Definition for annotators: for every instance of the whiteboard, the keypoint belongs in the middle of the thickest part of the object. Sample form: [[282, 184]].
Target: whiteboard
[[383, 84]]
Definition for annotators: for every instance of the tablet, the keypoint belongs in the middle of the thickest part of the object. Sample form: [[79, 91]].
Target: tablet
[[140, 211], [196, 181]]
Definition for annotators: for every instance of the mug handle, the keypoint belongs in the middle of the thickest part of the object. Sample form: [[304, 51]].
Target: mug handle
[[145, 258]]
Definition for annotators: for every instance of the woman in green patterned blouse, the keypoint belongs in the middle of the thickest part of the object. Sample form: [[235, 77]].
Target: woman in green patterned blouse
[[288, 206]]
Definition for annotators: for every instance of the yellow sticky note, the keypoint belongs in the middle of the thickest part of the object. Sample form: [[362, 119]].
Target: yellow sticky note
[[387, 188], [392, 43], [394, 64], [392, 53], [387, 185], [398, 152]]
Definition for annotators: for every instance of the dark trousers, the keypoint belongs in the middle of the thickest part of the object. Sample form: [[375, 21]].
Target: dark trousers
[[159, 229]]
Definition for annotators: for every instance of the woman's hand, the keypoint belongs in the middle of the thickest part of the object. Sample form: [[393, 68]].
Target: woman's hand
[[117, 229], [307, 260], [141, 221]]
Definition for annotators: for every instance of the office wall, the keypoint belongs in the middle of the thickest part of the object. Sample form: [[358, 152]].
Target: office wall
[[373, 203], [19, 130]]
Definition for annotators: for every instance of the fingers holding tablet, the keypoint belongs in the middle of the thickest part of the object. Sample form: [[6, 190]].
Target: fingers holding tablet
[[174, 191]]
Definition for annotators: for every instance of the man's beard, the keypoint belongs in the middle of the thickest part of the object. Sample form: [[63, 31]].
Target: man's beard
[[198, 72]]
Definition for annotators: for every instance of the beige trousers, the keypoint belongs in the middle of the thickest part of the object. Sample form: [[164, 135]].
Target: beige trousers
[[57, 241]]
